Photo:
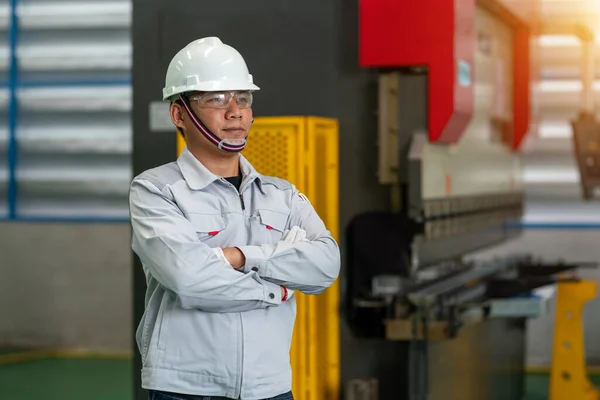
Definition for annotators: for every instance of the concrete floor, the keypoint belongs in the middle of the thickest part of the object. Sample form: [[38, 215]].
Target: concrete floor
[[98, 379]]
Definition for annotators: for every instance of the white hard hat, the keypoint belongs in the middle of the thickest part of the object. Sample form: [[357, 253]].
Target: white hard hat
[[207, 65]]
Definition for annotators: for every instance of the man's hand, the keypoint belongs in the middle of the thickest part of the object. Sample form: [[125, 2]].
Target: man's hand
[[235, 257]]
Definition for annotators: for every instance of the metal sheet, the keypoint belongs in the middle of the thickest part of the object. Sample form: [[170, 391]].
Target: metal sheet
[[74, 103]]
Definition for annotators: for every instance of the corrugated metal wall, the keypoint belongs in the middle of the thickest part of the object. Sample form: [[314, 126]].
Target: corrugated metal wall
[[66, 137]]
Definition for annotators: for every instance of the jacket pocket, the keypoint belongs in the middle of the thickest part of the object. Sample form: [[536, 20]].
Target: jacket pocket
[[274, 223], [207, 226]]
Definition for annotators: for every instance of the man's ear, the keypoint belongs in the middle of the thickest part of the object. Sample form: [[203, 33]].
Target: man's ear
[[177, 115]]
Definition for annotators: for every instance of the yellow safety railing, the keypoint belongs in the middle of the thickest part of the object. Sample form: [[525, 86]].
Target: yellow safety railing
[[569, 379], [304, 150]]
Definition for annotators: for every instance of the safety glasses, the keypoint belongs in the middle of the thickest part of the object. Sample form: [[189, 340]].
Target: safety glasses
[[222, 99]]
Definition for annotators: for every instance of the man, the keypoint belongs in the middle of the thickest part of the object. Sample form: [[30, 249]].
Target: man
[[222, 246]]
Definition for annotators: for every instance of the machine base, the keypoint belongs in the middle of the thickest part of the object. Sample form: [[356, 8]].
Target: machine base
[[485, 362]]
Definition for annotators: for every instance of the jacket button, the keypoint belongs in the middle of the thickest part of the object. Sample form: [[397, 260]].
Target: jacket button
[[271, 295], [254, 269]]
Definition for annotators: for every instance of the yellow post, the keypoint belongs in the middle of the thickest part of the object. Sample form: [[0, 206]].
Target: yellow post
[[569, 380]]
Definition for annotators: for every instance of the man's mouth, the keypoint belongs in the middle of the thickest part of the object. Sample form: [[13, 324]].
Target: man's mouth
[[235, 130]]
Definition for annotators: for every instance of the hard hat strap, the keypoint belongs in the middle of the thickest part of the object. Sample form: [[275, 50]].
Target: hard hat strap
[[217, 141]]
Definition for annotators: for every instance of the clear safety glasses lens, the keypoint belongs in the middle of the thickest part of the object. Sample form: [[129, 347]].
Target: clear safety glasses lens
[[222, 99]]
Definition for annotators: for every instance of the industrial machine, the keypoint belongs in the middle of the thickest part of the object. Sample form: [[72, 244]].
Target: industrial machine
[[402, 122], [452, 113]]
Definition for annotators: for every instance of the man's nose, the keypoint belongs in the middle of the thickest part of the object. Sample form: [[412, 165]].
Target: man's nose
[[233, 110]]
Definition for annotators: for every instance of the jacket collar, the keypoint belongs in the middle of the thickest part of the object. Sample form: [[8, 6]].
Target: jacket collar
[[198, 176]]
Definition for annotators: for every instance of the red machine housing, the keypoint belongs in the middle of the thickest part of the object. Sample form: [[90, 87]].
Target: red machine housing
[[521, 85], [438, 34]]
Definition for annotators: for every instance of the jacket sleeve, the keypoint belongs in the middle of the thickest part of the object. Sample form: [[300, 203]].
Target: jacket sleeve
[[169, 249], [310, 266]]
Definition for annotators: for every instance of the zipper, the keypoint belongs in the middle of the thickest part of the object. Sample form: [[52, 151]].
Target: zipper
[[239, 382], [239, 192], [242, 201]]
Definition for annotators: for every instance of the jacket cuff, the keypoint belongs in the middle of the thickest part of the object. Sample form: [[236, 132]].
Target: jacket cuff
[[272, 293], [255, 259]]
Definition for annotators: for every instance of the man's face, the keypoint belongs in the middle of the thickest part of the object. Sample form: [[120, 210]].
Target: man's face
[[226, 114]]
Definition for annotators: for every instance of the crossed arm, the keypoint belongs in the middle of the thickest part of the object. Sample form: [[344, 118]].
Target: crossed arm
[[170, 251]]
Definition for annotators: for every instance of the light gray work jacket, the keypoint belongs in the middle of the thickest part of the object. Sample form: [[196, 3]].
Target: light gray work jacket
[[208, 329]]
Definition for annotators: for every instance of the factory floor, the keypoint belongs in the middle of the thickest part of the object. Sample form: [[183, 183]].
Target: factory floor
[[102, 379]]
